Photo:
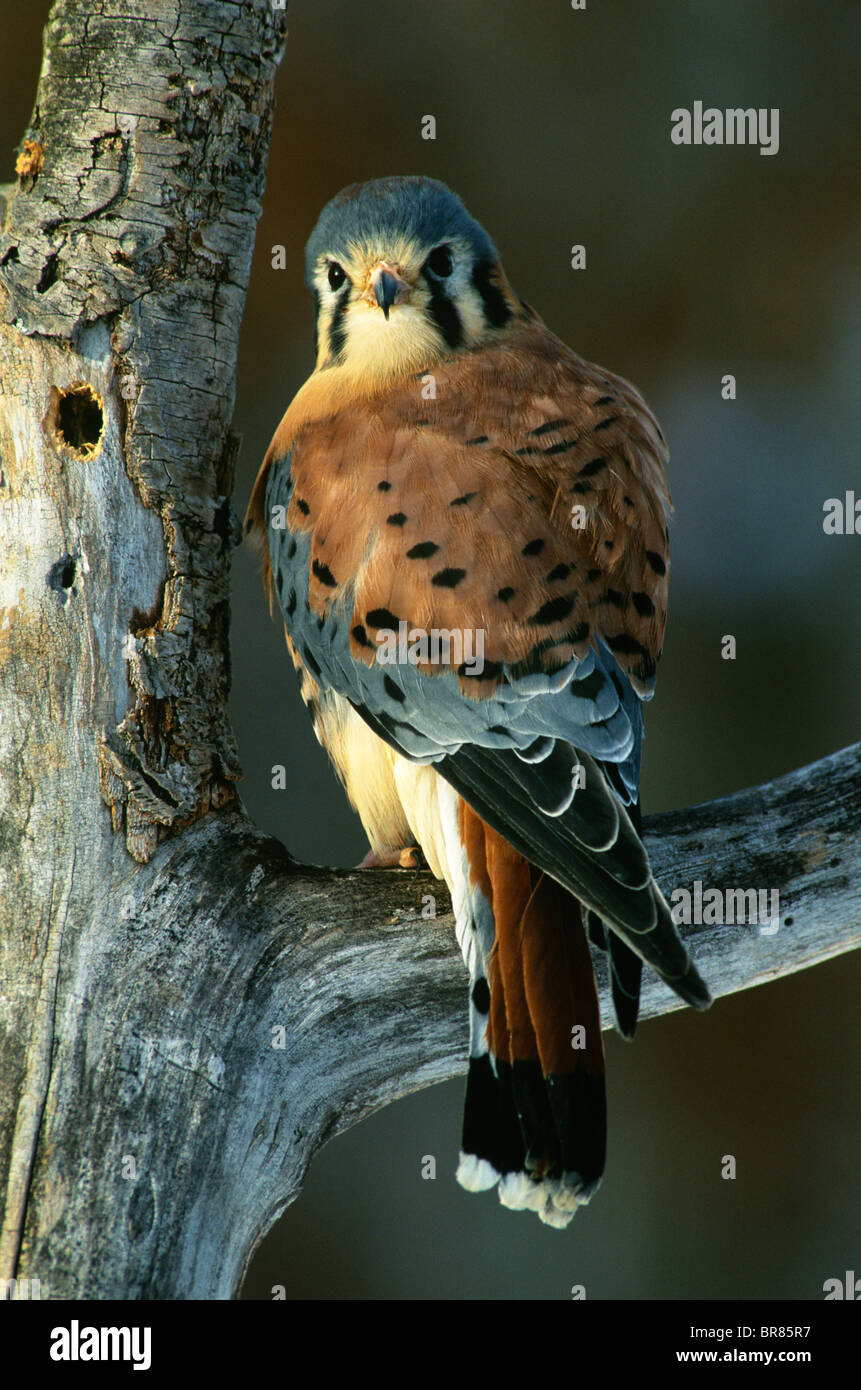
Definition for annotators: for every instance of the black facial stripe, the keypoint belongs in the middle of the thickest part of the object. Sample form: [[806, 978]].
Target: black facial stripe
[[444, 314], [496, 310], [316, 295], [337, 323]]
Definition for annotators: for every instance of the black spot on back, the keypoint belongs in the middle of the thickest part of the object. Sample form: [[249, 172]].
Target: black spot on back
[[448, 578], [381, 617], [554, 610], [643, 604], [589, 687], [489, 672], [505, 594], [625, 645], [396, 519], [462, 501], [309, 661], [423, 550], [324, 574], [540, 660], [656, 561], [548, 427], [481, 996], [393, 690], [533, 547], [387, 721]]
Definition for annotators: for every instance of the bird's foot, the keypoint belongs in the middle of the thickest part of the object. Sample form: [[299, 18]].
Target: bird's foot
[[410, 857]]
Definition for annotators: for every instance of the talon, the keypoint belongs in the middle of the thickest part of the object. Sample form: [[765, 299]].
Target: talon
[[410, 857]]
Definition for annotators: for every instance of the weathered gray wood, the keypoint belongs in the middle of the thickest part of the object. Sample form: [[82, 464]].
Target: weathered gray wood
[[152, 941], [124, 259], [167, 1042]]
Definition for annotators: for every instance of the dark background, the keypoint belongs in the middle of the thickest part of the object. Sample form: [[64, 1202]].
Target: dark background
[[553, 125]]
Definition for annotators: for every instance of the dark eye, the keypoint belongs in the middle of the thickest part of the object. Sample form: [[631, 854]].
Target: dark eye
[[439, 262], [337, 275]]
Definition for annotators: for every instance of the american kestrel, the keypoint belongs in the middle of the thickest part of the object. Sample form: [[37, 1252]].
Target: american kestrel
[[465, 527]]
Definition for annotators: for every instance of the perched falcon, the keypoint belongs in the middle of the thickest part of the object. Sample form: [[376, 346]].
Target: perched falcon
[[465, 526]]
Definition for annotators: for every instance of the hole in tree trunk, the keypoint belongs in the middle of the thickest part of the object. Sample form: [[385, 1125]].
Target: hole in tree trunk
[[79, 420], [61, 576]]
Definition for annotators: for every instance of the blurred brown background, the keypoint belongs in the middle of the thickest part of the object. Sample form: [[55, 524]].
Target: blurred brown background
[[553, 125]]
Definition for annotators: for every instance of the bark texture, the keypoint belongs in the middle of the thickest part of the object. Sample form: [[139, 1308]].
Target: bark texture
[[124, 260], [186, 1014]]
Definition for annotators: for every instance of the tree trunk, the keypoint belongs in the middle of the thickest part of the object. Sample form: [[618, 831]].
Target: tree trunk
[[186, 1013]]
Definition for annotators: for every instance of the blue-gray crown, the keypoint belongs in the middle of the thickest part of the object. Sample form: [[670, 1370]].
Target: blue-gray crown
[[410, 205]]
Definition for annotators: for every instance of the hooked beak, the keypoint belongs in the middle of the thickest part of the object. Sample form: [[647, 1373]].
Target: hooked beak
[[388, 287]]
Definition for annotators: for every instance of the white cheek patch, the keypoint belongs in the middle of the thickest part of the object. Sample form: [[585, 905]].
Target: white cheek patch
[[471, 309]]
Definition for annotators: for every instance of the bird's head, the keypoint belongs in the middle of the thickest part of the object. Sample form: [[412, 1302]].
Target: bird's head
[[402, 276]]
